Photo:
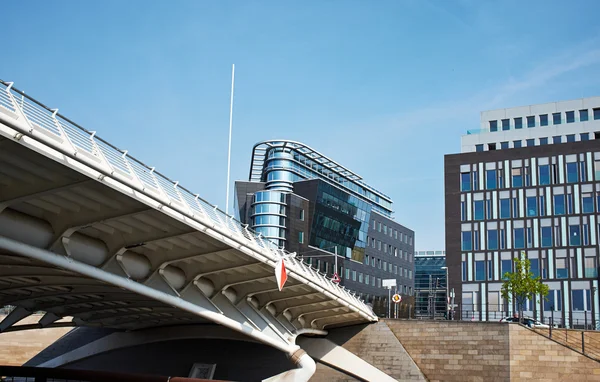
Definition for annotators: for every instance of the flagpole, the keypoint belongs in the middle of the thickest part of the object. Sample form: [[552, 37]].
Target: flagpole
[[230, 127]]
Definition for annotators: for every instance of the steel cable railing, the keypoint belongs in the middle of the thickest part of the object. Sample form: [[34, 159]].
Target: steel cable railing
[[39, 116]]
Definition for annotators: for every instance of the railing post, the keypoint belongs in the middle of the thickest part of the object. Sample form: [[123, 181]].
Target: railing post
[[583, 342], [585, 315]]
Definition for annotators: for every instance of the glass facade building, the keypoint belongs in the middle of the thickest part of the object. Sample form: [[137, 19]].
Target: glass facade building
[[430, 284], [309, 204], [540, 200]]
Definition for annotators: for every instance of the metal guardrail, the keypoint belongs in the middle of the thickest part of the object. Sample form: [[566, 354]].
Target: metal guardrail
[[104, 157]]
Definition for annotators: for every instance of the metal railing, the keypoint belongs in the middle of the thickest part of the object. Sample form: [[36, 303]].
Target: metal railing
[[582, 341], [60, 133]]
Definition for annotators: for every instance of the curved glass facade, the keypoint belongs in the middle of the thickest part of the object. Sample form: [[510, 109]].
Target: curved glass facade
[[284, 166], [268, 215]]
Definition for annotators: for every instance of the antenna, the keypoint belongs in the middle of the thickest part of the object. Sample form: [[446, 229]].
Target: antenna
[[229, 150]]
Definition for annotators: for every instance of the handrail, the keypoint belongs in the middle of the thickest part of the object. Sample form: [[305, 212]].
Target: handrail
[[145, 178], [577, 341]]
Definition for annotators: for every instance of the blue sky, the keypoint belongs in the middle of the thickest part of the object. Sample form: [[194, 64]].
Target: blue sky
[[385, 88]]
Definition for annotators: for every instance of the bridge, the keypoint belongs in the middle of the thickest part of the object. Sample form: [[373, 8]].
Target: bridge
[[93, 237]]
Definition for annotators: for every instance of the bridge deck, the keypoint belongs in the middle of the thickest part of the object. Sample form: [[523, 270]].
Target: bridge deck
[[88, 232]]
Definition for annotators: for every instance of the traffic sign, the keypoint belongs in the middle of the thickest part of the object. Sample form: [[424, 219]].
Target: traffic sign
[[280, 274], [397, 298], [335, 278]]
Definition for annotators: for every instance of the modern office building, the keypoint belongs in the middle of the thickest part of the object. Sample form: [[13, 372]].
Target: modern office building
[[527, 183], [430, 284], [315, 207]]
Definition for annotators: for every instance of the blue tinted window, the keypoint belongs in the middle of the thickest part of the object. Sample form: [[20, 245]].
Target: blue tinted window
[[516, 144], [463, 211], [570, 116], [503, 145], [467, 244], [464, 271], [505, 124], [596, 113], [518, 123], [479, 212], [517, 177], [492, 239], [583, 115], [531, 206], [504, 208], [515, 205], [490, 177], [531, 121], [465, 181], [493, 125], [571, 138], [556, 118], [479, 270], [556, 139], [543, 141], [506, 266], [577, 299], [530, 142], [544, 120], [546, 237], [544, 174], [519, 237], [585, 136], [572, 176], [587, 203], [535, 267], [569, 204], [574, 235], [478, 148], [502, 239], [559, 204]]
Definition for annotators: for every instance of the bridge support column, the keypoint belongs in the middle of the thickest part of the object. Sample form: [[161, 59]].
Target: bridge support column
[[306, 369]]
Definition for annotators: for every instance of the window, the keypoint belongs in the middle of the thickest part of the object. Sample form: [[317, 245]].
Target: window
[[531, 206], [385, 229], [544, 120], [492, 239], [556, 139], [535, 267], [519, 123], [347, 274], [367, 279], [465, 181], [506, 124], [517, 177], [490, 177], [379, 227], [374, 224], [559, 204], [543, 141], [583, 115], [562, 272], [464, 271], [516, 144], [519, 237], [552, 303], [556, 118], [353, 275], [478, 148], [379, 245], [503, 145], [542, 205], [574, 235], [301, 237], [467, 244], [572, 175], [597, 169], [596, 112], [570, 137], [479, 215], [491, 146], [544, 174], [463, 211], [587, 203], [530, 142], [493, 126], [577, 295], [531, 121], [479, 270], [591, 270], [570, 116], [506, 267], [504, 208], [360, 277], [584, 136], [546, 237]]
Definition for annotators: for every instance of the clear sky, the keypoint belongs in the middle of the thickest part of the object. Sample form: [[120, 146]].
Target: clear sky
[[386, 88]]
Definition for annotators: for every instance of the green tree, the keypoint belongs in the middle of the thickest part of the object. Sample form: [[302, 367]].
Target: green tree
[[522, 285]]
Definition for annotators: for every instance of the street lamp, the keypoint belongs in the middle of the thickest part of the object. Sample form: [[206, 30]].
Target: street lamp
[[447, 295]]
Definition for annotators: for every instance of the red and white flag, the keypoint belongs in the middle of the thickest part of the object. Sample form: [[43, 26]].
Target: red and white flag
[[335, 278], [280, 274]]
